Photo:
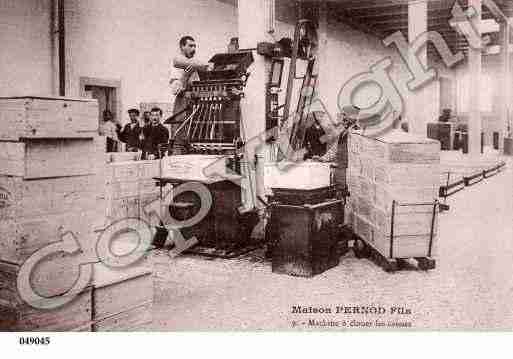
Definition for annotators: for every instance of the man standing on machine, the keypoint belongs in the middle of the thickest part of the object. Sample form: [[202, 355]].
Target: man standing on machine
[[184, 71]]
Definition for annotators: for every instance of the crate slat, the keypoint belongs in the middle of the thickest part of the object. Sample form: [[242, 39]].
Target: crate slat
[[397, 167], [30, 117]]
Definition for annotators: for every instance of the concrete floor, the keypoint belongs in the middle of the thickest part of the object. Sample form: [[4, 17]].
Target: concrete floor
[[471, 288]]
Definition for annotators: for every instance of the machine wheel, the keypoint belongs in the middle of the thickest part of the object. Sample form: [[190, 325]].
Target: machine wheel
[[390, 266], [360, 249]]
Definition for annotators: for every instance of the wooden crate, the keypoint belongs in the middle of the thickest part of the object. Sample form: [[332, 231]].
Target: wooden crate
[[65, 195], [23, 237], [118, 292], [129, 188], [53, 276], [38, 117], [35, 213], [74, 316], [136, 319], [384, 175], [46, 158]]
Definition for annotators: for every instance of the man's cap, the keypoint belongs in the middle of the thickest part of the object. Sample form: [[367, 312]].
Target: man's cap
[[134, 110]]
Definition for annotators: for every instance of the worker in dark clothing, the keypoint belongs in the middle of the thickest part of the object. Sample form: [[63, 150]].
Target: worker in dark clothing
[[131, 132], [155, 135], [145, 133], [337, 148], [313, 144]]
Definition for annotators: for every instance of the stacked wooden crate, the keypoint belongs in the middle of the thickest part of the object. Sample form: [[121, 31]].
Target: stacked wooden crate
[[394, 182], [50, 156], [123, 298], [130, 187]]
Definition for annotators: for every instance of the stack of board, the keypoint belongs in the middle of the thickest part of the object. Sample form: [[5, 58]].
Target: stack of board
[[122, 298], [394, 183], [50, 157], [129, 188]]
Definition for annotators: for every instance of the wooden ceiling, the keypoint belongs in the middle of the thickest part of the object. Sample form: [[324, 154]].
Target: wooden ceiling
[[384, 17]]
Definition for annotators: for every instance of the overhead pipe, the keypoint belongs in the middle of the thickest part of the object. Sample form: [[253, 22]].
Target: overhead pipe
[[62, 47]]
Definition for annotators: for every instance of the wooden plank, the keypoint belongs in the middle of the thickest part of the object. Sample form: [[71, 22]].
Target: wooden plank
[[122, 171], [137, 319], [47, 118], [53, 276], [21, 238], [60, 158], [120, 294], [47, 196], [406, 247], [149, 169], [128, 207], [72, 316], [11, 158], [50, 158]]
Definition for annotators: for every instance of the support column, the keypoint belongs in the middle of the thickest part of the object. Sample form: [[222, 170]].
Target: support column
[[475, 68], [254, 24], [322, 58], [504, 83], [415, 102]]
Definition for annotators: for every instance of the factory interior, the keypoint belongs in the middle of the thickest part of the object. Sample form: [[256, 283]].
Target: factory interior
[[312, 163]]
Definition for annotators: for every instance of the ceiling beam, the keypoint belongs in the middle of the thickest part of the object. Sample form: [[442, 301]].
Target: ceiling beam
[[495, 10], [397, 11], [341, 15]]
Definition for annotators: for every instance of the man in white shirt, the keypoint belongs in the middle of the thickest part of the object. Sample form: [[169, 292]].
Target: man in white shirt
[[184, 71]]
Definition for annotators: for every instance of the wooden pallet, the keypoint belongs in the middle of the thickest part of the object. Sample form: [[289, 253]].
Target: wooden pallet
[[390, 265]]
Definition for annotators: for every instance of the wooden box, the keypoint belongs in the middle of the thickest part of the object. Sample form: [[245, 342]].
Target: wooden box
[[74, 316], [305, 176], [46, 117], [129, 188], [53, 276], [122, 297], [51, 196], [47, 158], [23, 237], [36, 213], [136, 319], [394, 183], [443, 132], [305, 238]]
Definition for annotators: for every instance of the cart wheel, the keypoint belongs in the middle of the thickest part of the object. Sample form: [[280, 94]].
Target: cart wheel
[[360, 249]]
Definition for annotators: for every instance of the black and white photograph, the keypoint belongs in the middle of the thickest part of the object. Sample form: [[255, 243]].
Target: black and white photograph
[[244, 166]]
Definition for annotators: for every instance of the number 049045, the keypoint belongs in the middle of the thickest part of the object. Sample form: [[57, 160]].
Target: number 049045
[[34, 340]]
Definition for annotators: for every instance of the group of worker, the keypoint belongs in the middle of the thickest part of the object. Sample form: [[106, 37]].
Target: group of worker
[[152, 138], [149, 136]]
